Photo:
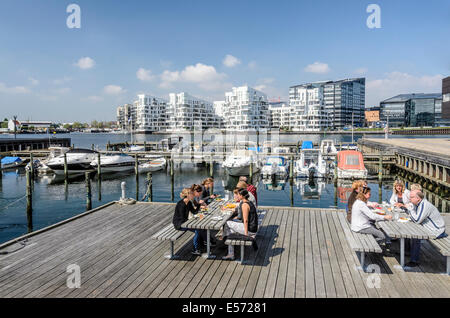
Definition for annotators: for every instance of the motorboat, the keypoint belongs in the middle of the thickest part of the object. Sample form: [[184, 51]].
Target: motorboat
[[311, 164], [350, 146], [114, 162], [238, 162], [351, 165], [11, 162], [40, 166], [328, 148], [275, 165], [152, 165], [136, 148], [78, 161]]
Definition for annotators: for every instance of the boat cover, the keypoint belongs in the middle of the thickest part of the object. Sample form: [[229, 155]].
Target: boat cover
[[307, 145], [350, 160], [8, 160]]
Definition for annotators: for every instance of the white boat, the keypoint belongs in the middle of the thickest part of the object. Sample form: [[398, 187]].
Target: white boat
[[135, 148], [78, 161], [152, 165], [310, 189], [238, 162], [328, 148], [114, 163], [311, 164], [41, 165], [275, 165]]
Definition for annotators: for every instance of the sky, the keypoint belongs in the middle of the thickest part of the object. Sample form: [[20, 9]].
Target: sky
[[49, 71]]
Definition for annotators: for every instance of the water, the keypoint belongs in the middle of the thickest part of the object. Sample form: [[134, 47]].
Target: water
[[54, 201]]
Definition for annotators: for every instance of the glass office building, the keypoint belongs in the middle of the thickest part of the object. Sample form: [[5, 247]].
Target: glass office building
[[446, 99], [412, 110]]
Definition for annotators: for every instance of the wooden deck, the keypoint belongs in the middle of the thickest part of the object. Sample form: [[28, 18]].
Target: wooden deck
[[302, 253]]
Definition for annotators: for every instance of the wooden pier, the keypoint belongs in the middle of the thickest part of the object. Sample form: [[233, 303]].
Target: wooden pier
[[302, 253], [19, 144]]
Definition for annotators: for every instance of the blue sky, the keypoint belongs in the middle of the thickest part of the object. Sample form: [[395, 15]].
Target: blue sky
[[51, 72]]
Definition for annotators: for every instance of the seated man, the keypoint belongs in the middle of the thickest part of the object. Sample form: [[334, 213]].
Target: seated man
[[426, 214]]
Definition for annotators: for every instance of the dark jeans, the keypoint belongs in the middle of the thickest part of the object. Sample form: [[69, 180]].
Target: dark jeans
[[198, 234], [415, 247]]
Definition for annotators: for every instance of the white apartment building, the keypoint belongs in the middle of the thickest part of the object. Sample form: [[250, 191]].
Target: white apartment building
[[185, 112], [246, 108], [150, 114], [280, 115], [126, 117], [308, 108]]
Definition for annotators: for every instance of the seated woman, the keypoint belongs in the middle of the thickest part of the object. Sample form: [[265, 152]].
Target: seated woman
[[356, 187], [248, 225], [244, 185], [182, 209], [207, 187], [362, 215], [400, 195]]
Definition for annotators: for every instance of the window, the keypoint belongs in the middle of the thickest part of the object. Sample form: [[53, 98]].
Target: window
[[352, 160]]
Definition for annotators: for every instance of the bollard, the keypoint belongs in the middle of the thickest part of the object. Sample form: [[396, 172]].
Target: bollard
[[66, 171], [88, 191], [123, 187], [149, 187]]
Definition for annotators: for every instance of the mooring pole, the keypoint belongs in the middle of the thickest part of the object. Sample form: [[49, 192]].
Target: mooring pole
[[66, 171], [88, 191], [31, 166], [136, 171], [380, 167], [29, 192], [149, 187], [251, 173], [211, 166], [291, 168]]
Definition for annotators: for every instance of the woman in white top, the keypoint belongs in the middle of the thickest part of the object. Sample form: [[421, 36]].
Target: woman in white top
[[362, 215], [400, 195]]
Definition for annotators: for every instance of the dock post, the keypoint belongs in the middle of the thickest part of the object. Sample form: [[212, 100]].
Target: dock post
[[380, 192], [149, 187], [31, 166], [380, 167], [291, 168], [211, 166], [171, 166], [99, 177], [92, 146], [136, 171], [88, 191], [251, 173], [73, 146], [29, 193], [145, 145], [66, 171], [291, 191], [108, 145], [123, 188], [335, 177], [172, 188]]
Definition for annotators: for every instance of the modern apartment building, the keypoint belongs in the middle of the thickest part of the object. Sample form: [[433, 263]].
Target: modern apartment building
[[280, 115], [412, 110], [246, 108], [126, 117], [150, 114], [308, 108], [446, 99], [186, 112]]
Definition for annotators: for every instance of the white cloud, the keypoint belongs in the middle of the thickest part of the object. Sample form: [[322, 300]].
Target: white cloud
[[85, 63], [13, 90], [361, 71], [63, 80], [252, 65], [396, 83], [113, 90], [144, 75], [33, 81], [260, 88], [204, 76], [317, 67], [231, 61]]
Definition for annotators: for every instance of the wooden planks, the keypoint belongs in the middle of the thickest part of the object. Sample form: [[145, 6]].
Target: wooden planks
[[302, 253]]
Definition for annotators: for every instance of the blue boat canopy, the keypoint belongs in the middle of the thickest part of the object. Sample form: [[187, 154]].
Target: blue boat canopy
[[307, 145], [8, 160], [257, 149]]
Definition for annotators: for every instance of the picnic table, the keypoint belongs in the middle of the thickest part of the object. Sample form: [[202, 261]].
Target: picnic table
[[211, 220], [403, 230]]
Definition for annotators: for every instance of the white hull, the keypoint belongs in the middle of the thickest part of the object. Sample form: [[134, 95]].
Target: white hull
[[241, 170], [352, 174], [155, 165]]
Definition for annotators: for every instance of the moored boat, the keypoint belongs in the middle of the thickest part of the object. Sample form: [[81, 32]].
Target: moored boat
[[351, 165]]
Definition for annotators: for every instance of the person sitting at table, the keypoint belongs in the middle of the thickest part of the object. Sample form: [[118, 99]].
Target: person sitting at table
[[207, 187], [247, 225], [362, 215], [357, 185], [250, 188], [182, 209], [416, 186], [426, 214], [400, 195], [244, 185]]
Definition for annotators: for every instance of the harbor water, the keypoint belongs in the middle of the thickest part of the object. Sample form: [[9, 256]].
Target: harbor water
[[54, 200]]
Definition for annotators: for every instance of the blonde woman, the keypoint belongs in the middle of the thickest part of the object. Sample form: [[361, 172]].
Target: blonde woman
[[356, 187], [400, 196]]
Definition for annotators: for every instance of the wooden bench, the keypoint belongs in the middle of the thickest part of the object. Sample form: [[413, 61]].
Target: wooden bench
[[362, 243], [169, 233], [242, 243], [443, 246]]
